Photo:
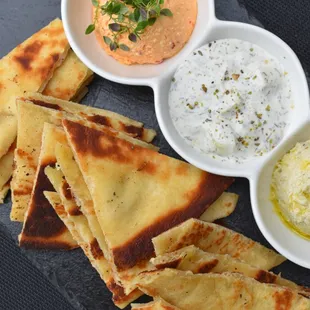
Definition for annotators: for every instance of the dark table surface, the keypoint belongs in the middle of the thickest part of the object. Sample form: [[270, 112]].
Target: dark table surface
[[69, 281]]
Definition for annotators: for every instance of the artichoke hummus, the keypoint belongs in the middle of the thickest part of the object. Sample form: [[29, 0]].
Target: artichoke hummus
[[290, 188]]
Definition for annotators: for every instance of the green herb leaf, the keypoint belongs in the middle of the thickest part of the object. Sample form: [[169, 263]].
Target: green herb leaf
[[132, 37], [123, 10], [95, 3], [120, 18], [90, 29], [131, 17], [152, 14], [124, 47], [166, 12], [113, 46], [116, 8], [161, 1], [137, 14], [152, 21], [107, 40], [141, 26], [115, 27]]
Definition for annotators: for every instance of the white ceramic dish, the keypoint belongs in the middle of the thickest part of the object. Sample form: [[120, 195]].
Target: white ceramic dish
[[76, 16]]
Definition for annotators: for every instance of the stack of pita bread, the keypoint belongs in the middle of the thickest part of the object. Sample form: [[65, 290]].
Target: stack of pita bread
[[90, 178], [200, 265], [43, 63]]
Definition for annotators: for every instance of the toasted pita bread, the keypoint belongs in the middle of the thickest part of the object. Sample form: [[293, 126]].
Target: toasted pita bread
[[218, 291], [79, 189], [216, 239], [93, 253], [8, 133], [6, 167], [95, 115], [77, 224], [127, 183], [197, 261], [222, 207], [3, 192], [42, 228], [80, 95], [33, 112], [154, 305], [29, 67], [69, 79]]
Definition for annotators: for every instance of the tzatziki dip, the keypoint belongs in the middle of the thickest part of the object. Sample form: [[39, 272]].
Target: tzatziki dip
[[231, 99]]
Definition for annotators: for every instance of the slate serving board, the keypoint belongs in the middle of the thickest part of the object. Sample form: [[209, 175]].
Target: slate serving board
[[70, 272]]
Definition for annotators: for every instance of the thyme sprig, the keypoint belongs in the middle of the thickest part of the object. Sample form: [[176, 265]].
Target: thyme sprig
[[127, 16]]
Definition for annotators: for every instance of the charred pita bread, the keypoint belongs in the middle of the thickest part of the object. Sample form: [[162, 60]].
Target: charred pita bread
[[216, 239], [56, 203], [77, 224], [33, 112], [154, 305], [222, 207], [127, 183], [42, 228], [29, 67], [69, 81], [95, 115], [218, 291], [197, 261]]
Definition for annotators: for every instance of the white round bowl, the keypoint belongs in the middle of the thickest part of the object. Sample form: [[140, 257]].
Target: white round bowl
[[77, 16]]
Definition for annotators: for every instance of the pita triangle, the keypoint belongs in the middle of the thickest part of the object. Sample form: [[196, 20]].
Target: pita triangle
[[69, 80], [217, 239], [195, 260], [218, 291], [42, 228], [137, 194]]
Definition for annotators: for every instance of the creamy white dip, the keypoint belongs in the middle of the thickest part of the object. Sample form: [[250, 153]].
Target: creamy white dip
[[231, 99]]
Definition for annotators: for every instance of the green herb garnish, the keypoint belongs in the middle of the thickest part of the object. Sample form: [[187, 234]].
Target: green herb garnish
[[127, 16]]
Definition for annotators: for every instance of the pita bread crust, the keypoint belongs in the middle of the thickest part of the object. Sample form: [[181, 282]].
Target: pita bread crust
[[42, 228], [197, 261], [222, 207], [216, 239], [6, 168], [68, 79], [218, 291], [3, 192], [8, 133], [98, 116]]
